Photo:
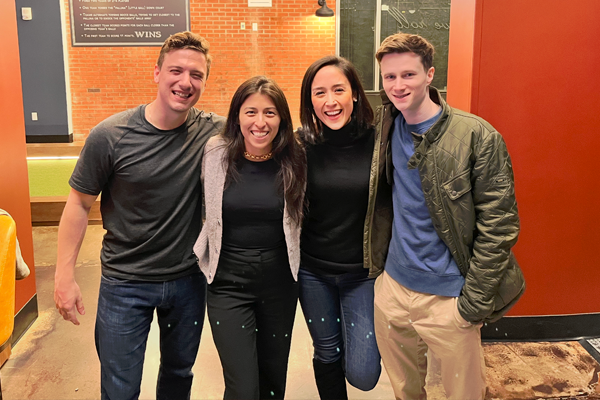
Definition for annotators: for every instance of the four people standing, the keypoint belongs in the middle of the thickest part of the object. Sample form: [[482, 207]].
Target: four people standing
[[452, 226]]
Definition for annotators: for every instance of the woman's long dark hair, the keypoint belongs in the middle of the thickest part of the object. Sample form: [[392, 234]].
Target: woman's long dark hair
[[288, 153], [312, 127]]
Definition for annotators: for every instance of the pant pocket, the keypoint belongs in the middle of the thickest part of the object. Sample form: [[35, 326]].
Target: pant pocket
[[461, 322]]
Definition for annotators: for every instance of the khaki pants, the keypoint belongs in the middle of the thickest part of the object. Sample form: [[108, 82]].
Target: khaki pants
[[407, 323]]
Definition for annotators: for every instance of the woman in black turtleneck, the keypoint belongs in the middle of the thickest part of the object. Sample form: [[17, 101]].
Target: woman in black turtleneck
[[336, 293]]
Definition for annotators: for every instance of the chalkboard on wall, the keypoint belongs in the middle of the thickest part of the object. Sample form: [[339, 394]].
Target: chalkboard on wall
[[127, 22], [358, 24], [357, 20], [428, 18]]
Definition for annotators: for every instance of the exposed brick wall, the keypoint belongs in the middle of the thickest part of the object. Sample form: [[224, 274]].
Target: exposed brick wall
[[289, 38]]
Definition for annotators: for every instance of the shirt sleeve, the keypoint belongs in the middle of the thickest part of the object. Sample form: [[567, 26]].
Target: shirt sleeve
[[95, 164]]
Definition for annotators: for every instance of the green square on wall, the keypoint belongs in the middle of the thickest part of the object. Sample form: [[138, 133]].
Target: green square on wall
[[50, 177]]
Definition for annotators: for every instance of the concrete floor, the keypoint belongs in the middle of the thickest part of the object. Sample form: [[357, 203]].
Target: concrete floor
[[57, 360]]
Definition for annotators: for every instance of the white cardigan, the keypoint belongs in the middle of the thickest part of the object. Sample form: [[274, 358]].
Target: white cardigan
[[208, 245]]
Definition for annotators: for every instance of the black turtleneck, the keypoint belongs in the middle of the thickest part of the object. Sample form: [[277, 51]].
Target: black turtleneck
[[338, 193]]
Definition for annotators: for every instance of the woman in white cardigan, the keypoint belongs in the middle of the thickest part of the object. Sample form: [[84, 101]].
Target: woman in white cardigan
[[254, 175]]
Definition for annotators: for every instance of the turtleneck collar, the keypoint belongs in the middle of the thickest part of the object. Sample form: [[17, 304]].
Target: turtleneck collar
[[341, 137]]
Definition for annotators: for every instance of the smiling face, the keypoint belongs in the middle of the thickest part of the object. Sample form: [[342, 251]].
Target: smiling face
[[181, 80], [259, 123], [405, 82], [332, 97]]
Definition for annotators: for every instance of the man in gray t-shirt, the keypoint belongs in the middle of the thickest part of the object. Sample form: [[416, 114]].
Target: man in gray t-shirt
[[146, 163]]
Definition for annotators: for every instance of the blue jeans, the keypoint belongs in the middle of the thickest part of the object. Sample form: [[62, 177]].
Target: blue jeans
[[125, 312], [339, 314]]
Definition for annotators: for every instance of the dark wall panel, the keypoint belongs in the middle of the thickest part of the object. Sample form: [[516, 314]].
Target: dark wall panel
[[43, 71]]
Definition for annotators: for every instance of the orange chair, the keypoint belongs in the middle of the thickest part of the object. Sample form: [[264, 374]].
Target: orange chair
[[8, 242]]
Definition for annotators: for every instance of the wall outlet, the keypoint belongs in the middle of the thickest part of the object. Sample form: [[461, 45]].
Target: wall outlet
[[26, 13], [243, 25], [255, 26], [34, 116]]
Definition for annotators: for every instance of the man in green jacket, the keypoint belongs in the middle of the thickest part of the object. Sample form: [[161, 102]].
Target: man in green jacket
[[450, 266]]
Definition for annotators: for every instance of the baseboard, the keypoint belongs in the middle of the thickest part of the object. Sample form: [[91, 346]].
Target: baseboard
[[49, 138], [24, 318], [543, 328], [5, 352]]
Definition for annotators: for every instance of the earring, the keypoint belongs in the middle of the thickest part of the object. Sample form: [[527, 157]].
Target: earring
[[355, 100]]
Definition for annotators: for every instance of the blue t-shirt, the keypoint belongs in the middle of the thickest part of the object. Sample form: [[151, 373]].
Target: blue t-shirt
[[418, 258]]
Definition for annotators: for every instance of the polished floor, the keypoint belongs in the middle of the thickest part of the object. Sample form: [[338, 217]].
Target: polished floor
[[57, 360]]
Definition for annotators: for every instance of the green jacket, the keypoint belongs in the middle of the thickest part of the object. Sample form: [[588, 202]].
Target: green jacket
[[468, 183], [378, 221]]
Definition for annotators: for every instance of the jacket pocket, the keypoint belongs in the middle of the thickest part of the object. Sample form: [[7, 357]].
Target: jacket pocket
[[458, 186], [457, 197], [510, 290]]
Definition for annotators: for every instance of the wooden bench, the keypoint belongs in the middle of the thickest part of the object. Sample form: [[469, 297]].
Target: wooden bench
[[54, 149], [47, 210]]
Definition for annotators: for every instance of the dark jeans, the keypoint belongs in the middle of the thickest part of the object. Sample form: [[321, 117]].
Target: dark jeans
[[125, 311], [251, 309], [339, 313]]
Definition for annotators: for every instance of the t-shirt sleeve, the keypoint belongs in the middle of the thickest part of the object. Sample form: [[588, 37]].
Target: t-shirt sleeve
[[95, 164], [219, 124]]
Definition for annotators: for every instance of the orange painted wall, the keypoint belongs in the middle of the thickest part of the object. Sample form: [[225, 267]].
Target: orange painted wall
[[535, 77], [14, 183], [289, 38], [462, 51]]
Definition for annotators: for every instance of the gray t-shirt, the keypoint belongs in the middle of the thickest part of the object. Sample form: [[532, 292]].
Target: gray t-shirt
[[151, 192]]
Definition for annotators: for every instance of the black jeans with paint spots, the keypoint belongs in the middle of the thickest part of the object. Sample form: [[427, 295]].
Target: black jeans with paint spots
[[251, 309]]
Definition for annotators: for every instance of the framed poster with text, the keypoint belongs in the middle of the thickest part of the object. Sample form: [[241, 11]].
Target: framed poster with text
[[127, 22]]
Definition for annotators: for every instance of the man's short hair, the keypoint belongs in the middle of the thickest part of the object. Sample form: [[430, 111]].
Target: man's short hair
[[185, 40], [405, 43]]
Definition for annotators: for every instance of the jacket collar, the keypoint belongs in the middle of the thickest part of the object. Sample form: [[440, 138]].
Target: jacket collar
[[386, 102], [434, 133], [440, 125]]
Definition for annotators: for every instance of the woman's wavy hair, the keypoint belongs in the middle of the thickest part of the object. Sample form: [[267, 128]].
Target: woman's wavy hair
[[312, 127], [287, 150]]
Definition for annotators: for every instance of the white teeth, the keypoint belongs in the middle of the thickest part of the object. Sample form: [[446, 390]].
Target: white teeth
[[182, 95], [259, 134], [333, 113]]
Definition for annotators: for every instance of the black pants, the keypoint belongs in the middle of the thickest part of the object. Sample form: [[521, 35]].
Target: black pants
[[251, 309]]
